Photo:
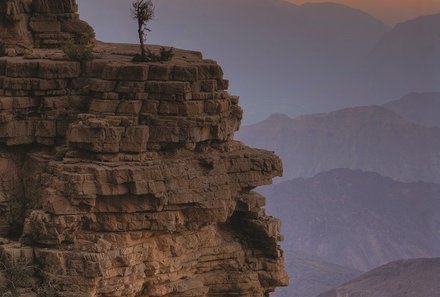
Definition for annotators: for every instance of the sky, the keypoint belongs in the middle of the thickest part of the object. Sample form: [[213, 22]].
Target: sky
[[389, 11]]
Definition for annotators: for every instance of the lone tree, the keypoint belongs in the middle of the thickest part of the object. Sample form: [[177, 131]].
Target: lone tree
[[143, 12]]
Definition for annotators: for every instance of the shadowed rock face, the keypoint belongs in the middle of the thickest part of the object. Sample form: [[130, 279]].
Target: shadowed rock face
[[122, 179]]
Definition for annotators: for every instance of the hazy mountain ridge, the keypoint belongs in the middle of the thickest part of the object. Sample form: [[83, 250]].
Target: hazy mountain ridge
[[369, 138], [405, 278], [311, 275], [420, 108], [260, 43], [357, 219], [406, 59]]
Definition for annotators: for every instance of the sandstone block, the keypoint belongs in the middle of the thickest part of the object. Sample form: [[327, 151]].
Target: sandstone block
[[3, 63], [45, 128], [174, 91], [169, 108], [159, 72], [6, 103], [130, 87], [54, 6], [57, 102], [16, 254], [210, 71], [135, 139], [150, 107], [21, 68], [103, 139], [223, 84], [133, 72], [129, 107], [208, 85], [80, 30], [103, 106], [185, 73], [39, 26], [100, 85], [54, 69], [6, 117], [110, 71], [25, 102], [193, 108], [32, 84]]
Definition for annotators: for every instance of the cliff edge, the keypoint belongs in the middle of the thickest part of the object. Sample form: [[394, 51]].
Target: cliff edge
[[122, 178]]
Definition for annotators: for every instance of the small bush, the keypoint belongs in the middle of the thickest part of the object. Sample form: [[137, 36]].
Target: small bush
[[17, 276], [47, 289], [164, 55], [80, 51], [21, 275]]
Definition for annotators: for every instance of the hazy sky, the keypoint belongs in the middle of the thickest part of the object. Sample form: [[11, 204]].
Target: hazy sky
[[389, 11]]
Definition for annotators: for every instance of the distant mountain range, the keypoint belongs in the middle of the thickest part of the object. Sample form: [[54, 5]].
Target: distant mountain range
[[310, 275], [357, 219], [279, 56], [405, 278], [420, 108], [369, 138], [406, 59]]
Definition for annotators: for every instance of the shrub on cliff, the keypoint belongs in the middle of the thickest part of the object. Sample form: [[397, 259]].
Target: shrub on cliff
[[14, 277], [78, 51], [164, 55]]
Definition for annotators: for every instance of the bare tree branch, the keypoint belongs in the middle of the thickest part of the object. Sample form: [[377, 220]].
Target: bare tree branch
[[143, 12]]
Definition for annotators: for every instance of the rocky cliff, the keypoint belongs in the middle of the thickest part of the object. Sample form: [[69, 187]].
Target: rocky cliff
[[122, 178]]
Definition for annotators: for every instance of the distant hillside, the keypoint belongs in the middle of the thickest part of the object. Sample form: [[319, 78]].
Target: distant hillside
[[406, 59], [310, 275], [279, 56], [420, 108], [357, 219], [367, 138], [406, 278]]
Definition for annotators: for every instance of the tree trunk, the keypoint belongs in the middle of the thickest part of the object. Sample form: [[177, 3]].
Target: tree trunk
[[141, 38]]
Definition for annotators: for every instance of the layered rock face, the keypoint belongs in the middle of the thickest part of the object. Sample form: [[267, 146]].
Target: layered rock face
[[123, 179], [27, 24]]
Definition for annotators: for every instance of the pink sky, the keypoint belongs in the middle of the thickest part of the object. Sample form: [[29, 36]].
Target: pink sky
[[389, 11]]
